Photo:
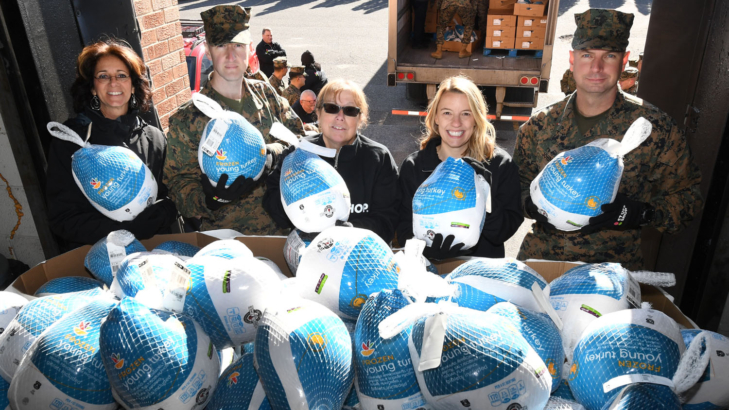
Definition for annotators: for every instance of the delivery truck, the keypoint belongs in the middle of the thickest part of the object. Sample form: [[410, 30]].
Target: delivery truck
[[511, 56]]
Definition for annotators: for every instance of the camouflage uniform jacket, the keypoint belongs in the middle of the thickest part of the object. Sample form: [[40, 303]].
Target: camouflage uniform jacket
[[278, 85], [261, 107], [661, 172], [291, 94]]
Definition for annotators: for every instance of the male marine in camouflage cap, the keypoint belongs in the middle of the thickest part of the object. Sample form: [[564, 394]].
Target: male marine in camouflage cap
[[296, 80], [237, 207], [660, 182], [280, 69]]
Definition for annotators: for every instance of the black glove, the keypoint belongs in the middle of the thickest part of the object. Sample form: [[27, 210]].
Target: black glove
[[442, 249], [533, 212], [479, 168], [622, 213], [154, 218], [217, 196], [344, 223]]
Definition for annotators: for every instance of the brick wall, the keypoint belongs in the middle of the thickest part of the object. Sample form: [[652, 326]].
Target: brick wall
[[162, 49]]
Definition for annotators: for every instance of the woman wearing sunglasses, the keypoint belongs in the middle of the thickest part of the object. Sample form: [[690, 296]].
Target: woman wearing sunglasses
[[456, 126], [110, 91], [366, 166]]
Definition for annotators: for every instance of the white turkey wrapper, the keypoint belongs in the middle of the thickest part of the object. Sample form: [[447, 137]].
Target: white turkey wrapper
[[711, 389], [343, 266], [226, 249], [313, 194], [114, 179], [574, 185], [452, 201], [295, 244], [10, 304], [587, 292], [464, 358]]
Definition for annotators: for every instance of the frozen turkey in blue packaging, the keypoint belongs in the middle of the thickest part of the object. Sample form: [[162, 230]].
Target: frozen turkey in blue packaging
[[313, 193], [239, 388], [156, 359], [452, 201], [384, 374], [575, 184], [229, 144], [63, 366], [711, 389], [466, 358], [226, 249], [295, 244], [274, 267], [68, 284], [343, 266], [645, 396], [153, 279], [105, 257], [484, 282], [303, 355], [35, 317], [644, 344], [228, 297], [4, 402], [587, 292], [563, 391], [556, 403], [114, 179], [540, 332], [178, 248], [10, 305]]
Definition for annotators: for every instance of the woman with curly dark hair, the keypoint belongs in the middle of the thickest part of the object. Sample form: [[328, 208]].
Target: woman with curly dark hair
[[110, 91]]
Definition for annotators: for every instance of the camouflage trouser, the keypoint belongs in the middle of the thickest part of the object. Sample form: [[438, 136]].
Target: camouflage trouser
[[467, 13]]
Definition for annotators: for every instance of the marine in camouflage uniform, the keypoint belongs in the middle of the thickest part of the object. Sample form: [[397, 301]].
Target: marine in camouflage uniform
[[278, 85], [630, 73], [567, 83], [259, 104], [467, 9], [661, 172], [292, 93]]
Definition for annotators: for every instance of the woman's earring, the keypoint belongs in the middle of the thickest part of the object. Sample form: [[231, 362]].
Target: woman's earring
[[133, 102], [95, 103]]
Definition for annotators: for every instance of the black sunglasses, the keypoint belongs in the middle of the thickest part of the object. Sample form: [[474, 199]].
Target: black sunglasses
[[330, 108]]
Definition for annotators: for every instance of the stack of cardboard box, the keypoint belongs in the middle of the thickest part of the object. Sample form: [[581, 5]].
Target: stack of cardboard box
[[512, 25]]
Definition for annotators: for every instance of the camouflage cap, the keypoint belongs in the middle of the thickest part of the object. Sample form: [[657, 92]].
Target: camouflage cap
[[296, 71], [227, 24], [630, 72], [280, 62], [602, 29]]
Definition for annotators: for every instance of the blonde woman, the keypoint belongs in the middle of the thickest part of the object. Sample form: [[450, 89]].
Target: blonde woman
[[457, 127]]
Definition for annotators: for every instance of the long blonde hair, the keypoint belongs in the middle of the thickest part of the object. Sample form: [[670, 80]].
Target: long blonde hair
[[483, 141]]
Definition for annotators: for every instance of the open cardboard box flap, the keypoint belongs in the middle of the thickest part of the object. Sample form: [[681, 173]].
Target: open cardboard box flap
[[271, 247]]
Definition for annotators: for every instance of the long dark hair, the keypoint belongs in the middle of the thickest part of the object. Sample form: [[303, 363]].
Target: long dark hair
[[86, 65]]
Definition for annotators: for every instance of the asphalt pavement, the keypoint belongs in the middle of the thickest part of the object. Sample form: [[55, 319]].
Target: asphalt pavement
[[349, 39]]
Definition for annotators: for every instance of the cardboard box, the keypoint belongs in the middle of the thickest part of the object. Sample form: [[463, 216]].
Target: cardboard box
[[528, 9], [502, 4], [502, 43], [530, 32], [522, 43], [431, 18], [500, 18], [456, 45], [501, 32], [271, 247], [524, 21]]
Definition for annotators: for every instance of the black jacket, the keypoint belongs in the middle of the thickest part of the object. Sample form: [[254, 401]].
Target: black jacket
[[72, 217], [315, 78], [506, 214], [266, 53], [306, 118], [370, 173]]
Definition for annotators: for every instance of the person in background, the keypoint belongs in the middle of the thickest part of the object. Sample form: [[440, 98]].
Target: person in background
[[305, 108], [237, 206], [660, 185], [447, 9], [420, 9], [267, 51], [315, 77], [110, 92], [280, 69], [457, 127], [366, 166], [292, 93]]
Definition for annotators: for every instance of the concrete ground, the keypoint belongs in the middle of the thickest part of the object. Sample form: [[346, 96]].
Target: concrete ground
[[349, 39]]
